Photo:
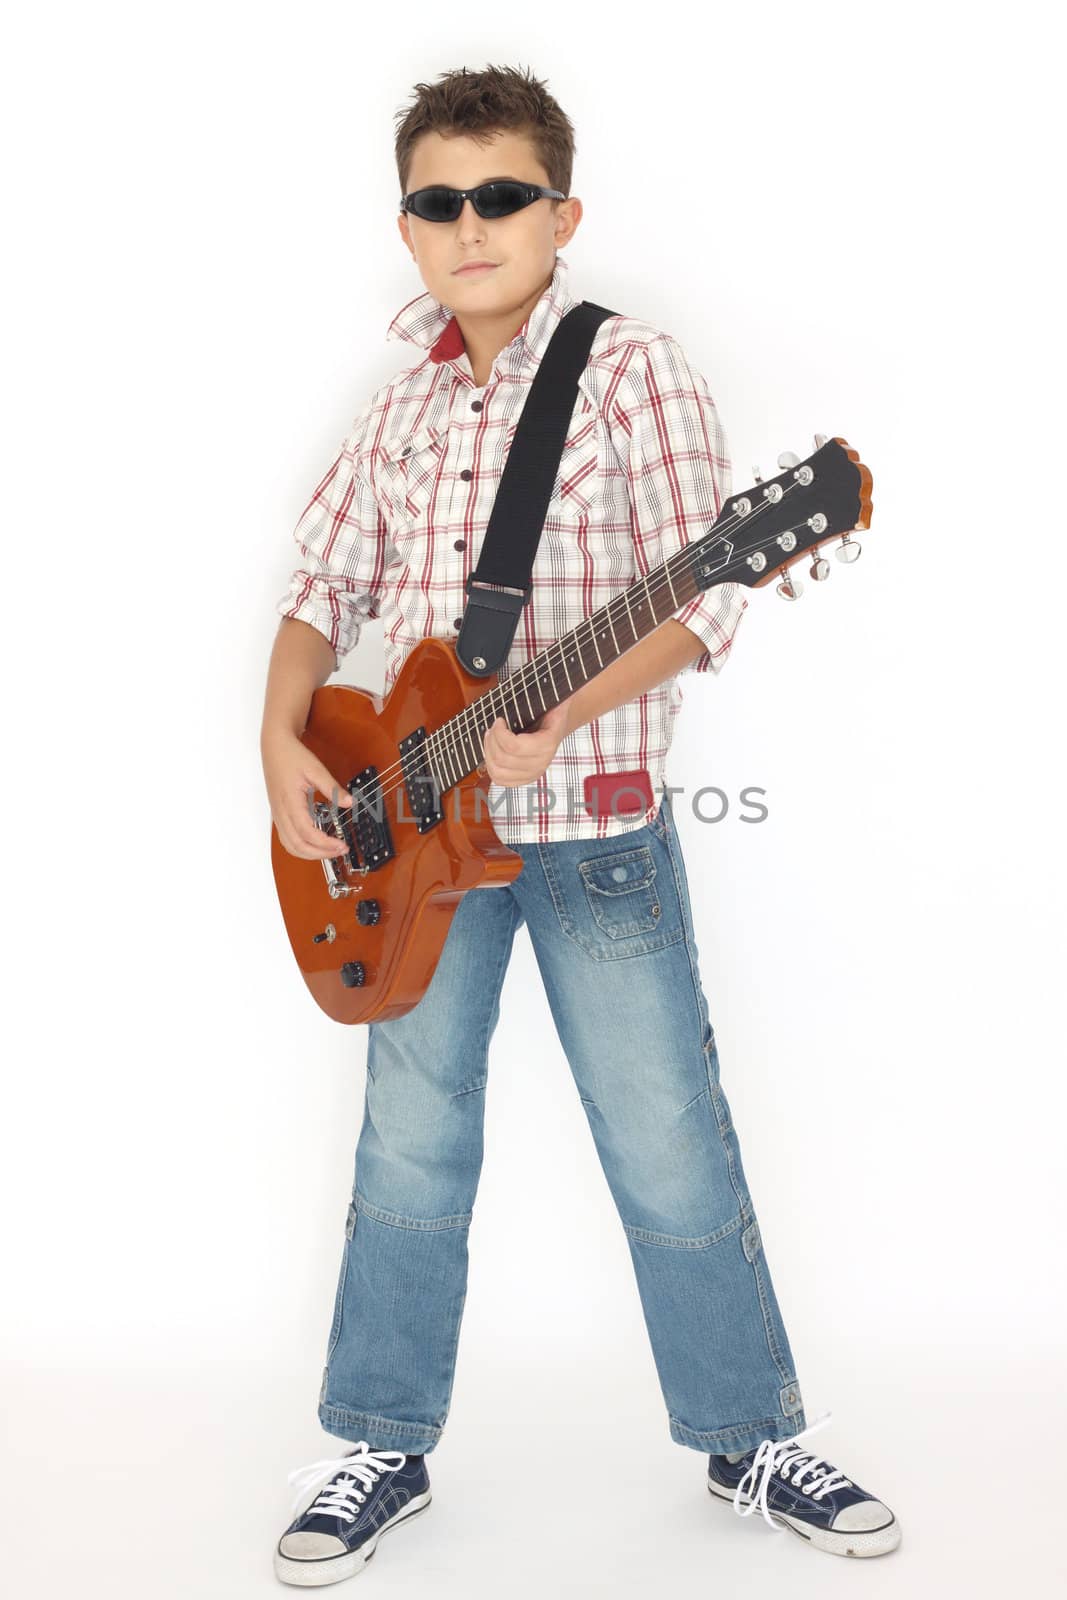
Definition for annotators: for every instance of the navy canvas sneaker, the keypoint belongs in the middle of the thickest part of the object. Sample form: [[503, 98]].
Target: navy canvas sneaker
[[355, 1498], [795, 1488]]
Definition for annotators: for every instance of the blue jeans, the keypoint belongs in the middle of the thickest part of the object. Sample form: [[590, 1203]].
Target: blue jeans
[[611, 927]]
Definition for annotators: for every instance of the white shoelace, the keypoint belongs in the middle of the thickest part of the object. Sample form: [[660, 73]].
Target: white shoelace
[[784, 1458], [355, 1474]]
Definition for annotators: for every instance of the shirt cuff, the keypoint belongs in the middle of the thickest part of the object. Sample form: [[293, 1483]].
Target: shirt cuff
[[714, 616], [334, 612]]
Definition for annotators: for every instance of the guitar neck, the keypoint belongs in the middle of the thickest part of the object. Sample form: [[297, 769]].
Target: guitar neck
[[456, 748], [763, 531]]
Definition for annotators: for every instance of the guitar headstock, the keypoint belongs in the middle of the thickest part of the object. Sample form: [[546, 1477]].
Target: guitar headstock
[[767, 528]]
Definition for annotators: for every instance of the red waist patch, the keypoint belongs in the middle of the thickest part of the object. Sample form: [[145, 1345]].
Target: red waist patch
[[618, 794]]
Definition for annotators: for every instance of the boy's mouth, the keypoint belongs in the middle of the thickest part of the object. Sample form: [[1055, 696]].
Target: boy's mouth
[[473, 268]]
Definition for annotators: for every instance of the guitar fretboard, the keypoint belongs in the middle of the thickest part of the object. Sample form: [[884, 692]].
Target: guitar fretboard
[[456, 749]]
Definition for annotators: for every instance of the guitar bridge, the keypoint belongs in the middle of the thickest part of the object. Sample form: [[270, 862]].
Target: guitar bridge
[[362, 827], [337, 869]]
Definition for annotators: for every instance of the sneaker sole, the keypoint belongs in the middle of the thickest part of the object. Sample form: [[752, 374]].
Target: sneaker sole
[[865, 1542], [332, 1569]]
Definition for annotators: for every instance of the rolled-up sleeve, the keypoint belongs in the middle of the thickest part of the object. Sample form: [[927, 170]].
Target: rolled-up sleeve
[[678, 466], [344, 549]]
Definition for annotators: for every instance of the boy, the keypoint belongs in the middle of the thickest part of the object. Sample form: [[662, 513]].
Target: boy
[[393, 529]]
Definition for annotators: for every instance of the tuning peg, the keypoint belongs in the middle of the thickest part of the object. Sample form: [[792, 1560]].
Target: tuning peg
[[757, 475], [820, 567], [848, 550], [789, 588], [787, 459], [820, 440]]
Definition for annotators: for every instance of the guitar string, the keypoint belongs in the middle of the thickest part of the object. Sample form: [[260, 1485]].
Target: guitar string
[[619, 605], [464, 723], [678, 559], [511, 684]]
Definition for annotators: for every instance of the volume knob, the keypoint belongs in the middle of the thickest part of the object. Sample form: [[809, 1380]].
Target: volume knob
[[368, 912], [353, 975]]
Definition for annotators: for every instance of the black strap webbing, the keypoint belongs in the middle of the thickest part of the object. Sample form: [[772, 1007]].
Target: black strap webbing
[[499, 586]]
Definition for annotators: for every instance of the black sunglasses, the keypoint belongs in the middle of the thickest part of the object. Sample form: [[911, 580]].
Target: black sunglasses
[[498, 199]]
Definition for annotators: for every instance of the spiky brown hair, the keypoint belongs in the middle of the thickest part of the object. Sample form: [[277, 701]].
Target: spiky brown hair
[[479, 104]]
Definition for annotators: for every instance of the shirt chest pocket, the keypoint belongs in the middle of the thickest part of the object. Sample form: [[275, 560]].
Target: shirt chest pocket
[[577, 481], [408, 471]]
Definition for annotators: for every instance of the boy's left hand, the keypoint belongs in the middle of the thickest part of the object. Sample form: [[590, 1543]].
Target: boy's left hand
[[513, 759]]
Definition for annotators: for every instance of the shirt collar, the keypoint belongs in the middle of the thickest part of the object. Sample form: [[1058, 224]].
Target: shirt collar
[[424, 321]]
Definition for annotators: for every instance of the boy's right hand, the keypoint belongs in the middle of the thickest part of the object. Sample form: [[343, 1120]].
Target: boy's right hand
[[291, 771]]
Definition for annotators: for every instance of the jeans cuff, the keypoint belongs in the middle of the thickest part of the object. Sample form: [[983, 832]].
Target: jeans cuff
[[739, 1436], [417, 1438]]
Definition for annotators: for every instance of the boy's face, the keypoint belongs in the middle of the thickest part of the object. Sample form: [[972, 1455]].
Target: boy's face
[[523, 246]]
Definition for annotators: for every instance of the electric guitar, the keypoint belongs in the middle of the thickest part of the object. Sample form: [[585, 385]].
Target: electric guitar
[[367, 926]]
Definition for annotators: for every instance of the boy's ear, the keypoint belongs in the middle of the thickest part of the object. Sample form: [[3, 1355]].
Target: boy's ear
[[567, 220]]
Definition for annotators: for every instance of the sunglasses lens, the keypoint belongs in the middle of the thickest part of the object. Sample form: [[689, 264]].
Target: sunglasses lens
[[500, 199], [436, 205]]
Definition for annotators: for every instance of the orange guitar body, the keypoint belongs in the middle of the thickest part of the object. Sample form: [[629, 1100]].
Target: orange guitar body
[[415, 894]]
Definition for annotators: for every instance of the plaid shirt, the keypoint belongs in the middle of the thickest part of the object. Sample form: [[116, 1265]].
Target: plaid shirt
[[396, 524]]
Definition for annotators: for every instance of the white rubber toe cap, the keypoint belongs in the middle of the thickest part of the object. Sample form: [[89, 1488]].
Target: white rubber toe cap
[[863, 1517], [311, 1546]]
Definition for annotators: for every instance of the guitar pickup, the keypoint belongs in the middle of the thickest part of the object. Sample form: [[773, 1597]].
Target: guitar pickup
[[423, 790], [366, 822]]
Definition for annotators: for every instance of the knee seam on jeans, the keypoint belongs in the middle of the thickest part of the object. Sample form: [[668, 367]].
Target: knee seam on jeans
[[459, 1219], [647, 1236], [473, 1088]]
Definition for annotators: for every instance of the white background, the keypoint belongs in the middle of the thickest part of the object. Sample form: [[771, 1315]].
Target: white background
[[847, 216]]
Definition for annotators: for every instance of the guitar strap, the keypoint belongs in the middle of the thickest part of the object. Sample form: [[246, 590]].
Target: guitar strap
[[500, 586]]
